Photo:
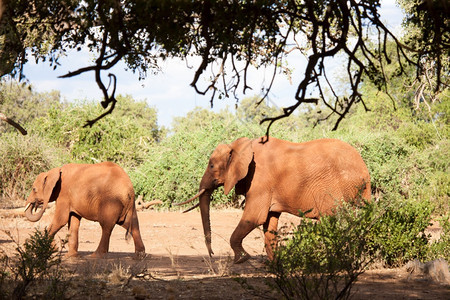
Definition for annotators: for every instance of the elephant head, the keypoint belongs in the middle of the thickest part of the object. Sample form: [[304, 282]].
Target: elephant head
[[42, 194], [227, 165]]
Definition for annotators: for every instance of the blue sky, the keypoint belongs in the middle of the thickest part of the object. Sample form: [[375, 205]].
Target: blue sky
[[169, 91]]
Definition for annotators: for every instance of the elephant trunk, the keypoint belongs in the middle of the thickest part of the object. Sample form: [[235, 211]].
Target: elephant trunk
[[205, 199], [34, 217]]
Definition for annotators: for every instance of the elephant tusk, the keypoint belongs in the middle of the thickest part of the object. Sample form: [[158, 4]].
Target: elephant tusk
[[195, 206], [193, 198], [26, 207]]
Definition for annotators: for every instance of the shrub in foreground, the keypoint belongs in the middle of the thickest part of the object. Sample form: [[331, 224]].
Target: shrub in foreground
[[398, 235], [38, 260], [323, 259]]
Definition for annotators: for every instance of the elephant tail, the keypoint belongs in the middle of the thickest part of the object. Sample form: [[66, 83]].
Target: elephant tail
[[129, 227], [128, 233], [129, 217]]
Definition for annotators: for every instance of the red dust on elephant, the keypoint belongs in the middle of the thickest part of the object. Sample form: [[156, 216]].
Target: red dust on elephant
[[278, 176], [100, 192]]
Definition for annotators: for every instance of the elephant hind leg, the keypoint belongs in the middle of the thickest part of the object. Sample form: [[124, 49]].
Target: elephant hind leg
[[131, 224], [270, 233]]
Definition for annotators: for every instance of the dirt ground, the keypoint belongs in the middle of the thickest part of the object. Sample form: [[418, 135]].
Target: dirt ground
[[177, 265]]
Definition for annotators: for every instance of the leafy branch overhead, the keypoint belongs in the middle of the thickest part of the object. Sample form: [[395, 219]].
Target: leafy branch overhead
[[230, 38]]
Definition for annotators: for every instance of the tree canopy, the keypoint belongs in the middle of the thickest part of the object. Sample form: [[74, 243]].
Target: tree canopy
[[230, 38]]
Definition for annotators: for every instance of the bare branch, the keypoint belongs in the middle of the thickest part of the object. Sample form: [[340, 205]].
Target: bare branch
[[110, 99], [12, 123], [108, 66]]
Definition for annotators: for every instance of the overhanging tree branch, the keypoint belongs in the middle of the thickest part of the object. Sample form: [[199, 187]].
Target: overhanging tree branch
[[235, 34], [12, 123], [107, 99]]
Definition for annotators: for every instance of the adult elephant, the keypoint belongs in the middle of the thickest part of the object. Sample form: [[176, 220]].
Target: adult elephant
[[279, 176], [100, 192]]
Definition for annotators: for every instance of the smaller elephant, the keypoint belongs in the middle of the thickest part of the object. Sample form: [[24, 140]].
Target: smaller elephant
[[100, 192]]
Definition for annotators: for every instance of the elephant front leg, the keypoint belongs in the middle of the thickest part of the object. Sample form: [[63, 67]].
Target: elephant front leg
[[270, 232], [74, 226], [242, 230], [60, 219]]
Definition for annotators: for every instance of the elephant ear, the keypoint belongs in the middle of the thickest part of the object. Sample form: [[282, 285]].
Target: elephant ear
[[240, 157], [49, 183]]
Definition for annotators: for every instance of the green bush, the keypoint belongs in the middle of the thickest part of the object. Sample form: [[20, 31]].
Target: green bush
[[123, 137], [398, 235], [400, 171], [23, 158], [386, 157], [323, 259], [38, 257], [174, 167], [430, 179], [420, 134], [406, 150], [441, 247]]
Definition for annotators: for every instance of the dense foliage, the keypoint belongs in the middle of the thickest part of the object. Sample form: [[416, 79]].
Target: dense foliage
[[193, 139], [56, 136], [109, 140], [23, 158], [322, 260], [405, 149]]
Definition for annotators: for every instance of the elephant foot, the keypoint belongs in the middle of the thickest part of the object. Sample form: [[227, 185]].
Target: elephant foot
[[96, 255], [72, 254], [242, 257], [140, 255]]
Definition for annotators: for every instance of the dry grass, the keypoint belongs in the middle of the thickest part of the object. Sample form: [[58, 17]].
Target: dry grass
[[220, 267], [435, 270], [119, 273], [174, 262]]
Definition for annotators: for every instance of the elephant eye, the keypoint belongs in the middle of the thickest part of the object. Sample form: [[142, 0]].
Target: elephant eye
[[211, 166]]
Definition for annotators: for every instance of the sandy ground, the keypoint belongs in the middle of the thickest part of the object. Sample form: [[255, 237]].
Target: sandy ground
[[177, 265]]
